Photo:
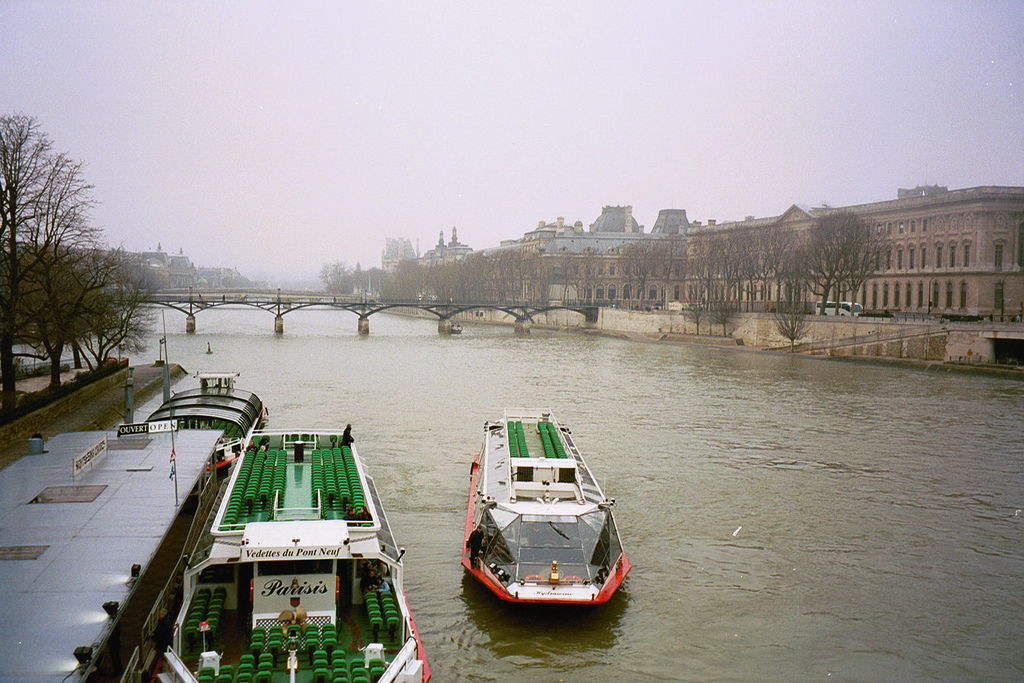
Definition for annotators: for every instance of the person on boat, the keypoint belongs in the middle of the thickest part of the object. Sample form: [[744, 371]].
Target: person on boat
[[208, 348], [346, 437], [474, 543], [368, 582], [363, 514], [163, 634]]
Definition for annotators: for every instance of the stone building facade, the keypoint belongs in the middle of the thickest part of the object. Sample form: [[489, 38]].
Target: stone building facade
[[948, 252]]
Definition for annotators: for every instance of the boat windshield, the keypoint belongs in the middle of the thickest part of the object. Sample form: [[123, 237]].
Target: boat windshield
[[524, 546]]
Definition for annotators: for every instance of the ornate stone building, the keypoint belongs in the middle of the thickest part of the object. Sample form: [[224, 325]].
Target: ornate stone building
[[948, 252]]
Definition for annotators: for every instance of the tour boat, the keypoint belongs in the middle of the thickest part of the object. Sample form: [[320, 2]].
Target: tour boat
[[215, 404], [548, 532], [297, 577]]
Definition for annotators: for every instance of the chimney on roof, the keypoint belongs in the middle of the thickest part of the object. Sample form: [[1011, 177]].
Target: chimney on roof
[[560, 221], [627, 223], [711, 221], [540, 224]]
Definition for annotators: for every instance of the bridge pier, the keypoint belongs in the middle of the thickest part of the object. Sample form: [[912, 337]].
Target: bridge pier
[[444, 326], [190, 324], [279, 324], [522, 328], [364, 326]]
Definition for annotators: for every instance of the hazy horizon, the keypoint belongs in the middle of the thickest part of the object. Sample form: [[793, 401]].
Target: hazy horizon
[[275, 137]]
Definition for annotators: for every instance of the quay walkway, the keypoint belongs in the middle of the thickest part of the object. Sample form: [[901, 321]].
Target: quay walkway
[[102, 411]]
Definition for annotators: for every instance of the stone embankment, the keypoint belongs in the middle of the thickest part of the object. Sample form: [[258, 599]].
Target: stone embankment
[[955, 346]]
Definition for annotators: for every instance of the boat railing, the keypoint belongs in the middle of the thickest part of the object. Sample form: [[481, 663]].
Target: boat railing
[[298, 513], [405, 655]]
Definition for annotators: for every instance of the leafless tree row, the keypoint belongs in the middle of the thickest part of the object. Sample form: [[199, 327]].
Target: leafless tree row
[[59, 286]]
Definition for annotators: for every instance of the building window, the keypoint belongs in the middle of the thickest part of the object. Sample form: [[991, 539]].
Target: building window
[[938, 255], [675, 293], [885, 295], [997, 302], [625, 291], [611, 292], [963, 295], [586, 293], [896, 295], [949, 295], [910, 292], [901, 227], [920, 294], [910, 258], [952, 256], [924, 257], [997, 257], [600, 292], [874, 296], [967, 256], [1020, 246], [899, 259], [924, 225], [611, 271], [912, 226], [888, 228], [888, 259], [653, 293], [935, 295]]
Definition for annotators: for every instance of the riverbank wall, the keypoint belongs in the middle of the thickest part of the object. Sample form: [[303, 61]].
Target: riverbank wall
[[860, 337]]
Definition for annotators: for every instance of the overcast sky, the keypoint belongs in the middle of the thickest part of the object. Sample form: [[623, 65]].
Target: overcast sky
[[277, 136]]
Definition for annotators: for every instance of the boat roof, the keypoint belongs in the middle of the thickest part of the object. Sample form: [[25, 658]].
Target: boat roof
[[534, 472], [242, 408], [69, 540]]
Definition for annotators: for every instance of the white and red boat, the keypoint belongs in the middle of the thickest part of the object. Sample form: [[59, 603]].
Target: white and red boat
[[547, 530], [297, 576]]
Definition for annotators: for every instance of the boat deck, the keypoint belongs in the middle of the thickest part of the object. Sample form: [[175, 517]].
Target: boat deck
[[333, 650], [286, 484]]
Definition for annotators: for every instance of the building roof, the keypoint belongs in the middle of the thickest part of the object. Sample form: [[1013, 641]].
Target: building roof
[[67, 544], [616, 219], [671, 222]]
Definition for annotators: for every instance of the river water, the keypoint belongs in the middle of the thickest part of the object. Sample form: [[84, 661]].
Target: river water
[[788, 519]]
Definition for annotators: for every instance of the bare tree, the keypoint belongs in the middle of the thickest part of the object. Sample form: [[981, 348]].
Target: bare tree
[[117, 316], [840, 250], [695, 311], [25, 154], [337, 277], [638, 261], [406, 283], [791, 322], [723, 311], [44, 204]]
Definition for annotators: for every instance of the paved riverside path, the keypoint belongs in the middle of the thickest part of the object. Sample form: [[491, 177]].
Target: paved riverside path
[[103, 411]]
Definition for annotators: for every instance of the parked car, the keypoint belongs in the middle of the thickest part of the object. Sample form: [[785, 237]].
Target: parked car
[[843, 308]]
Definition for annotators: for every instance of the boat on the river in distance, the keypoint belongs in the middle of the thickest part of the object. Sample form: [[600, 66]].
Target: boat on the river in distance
[[547, 530], [297, 576], [215, 404]]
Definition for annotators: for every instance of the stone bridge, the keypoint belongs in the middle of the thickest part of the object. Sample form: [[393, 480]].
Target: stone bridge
[[280, 303]]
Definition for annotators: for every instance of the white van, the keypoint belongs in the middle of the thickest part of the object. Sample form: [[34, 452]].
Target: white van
[[844, 308]]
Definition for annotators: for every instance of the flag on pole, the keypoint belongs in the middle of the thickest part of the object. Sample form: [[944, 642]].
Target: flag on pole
[[172, 474]]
